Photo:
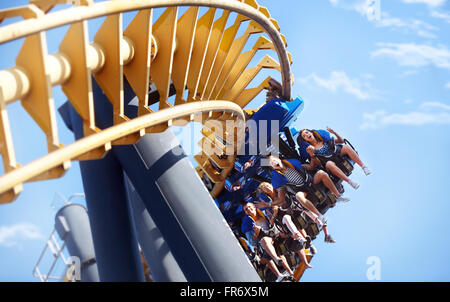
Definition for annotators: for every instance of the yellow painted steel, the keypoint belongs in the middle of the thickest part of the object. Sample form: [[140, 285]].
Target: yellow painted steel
[[243, 61], [26, 12], [186, 26], [198, 54], [201, 40], [248, 75], [137, 71], [225, 44], [235, 50], [59, 157], [110, 77], [164, 31], [6, 145], [47, 5], [78, 87], [300, 270], [248, 95], [39, 103], [211, 52]]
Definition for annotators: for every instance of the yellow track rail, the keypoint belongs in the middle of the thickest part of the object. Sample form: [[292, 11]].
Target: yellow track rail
[[191, 52]]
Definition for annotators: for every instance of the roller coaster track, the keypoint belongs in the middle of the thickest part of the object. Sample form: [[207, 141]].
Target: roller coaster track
[[197, 54]]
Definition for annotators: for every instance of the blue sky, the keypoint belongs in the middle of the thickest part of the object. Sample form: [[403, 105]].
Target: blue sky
[[383, 84]]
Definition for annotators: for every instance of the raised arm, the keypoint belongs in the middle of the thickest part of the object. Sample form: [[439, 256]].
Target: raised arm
[[339, 139]]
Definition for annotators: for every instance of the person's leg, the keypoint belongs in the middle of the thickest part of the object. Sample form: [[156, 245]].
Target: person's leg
[[271, 265], [303, 232], [322, 177], [302, 255], [267, 244], [286, 265], [325, 230], [347, 150], [287, 221], [333, 168], [301, 197]]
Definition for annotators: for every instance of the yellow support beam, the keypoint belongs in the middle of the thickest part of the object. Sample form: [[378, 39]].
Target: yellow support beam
[[242, 62], [225, 44], [213, 47], [233, 54], [110, 77], [78, 87], [186, 26], [164, 31], [248, 95], [137, 71], [39, 103], [248, 75], [26, 12], [201, 41]]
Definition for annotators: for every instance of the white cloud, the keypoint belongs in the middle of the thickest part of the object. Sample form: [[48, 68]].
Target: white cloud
[[334, 2], [11, 235], [430, 3], [437, 105], [425, 116], [408, 73], [339, 80], [447, 85], [441, 15], [416, 55], [407, 26]]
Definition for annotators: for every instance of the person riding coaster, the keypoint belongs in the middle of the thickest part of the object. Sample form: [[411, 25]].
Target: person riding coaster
[[298, 177], [298, 215], [321, 149], [282, 219], [263, 235]]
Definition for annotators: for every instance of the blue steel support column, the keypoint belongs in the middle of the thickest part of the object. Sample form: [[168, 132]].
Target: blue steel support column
[[177, 199], [162, 264], [72, 225], [158, 160], [115, 242], [187, 217]]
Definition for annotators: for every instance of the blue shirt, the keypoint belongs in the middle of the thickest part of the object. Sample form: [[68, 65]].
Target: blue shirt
[[247, 227]]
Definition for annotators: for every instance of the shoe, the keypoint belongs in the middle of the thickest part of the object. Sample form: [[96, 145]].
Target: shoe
[[289, 279], [353, 184], [300, 239], [323, 220], [329, 239], [312, 250], [280, 278], [366, 170], [342, 199]]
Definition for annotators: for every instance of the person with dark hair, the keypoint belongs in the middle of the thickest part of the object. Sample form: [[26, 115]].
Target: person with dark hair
[[318, 142], [287, 173], [259, 233], [273, 194]]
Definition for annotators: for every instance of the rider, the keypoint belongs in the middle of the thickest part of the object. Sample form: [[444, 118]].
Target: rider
[[271, 194], [317, 142], [258, 232]]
